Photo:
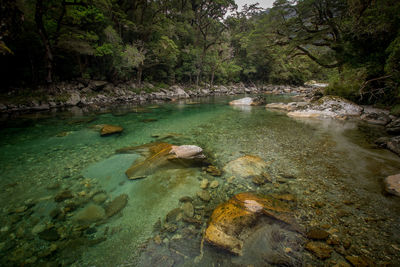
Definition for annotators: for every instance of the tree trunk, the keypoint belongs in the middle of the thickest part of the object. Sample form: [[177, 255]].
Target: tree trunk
[[48, 56], [212, 78], [139, 75]]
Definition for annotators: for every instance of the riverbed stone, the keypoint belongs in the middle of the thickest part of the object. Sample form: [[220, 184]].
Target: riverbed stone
[[317, 234], [49, 234], [66, 194], [116, 205], [392, 184], [204, 195], [246, 166], [110, 129], [359, 261], [319, 249], [188, 209], [214, 184], [204, 184], [173, 215], [214, 171], [91, 213], [99, 198]]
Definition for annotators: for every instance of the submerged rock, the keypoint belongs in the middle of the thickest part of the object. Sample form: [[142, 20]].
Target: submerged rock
[[50, 234], [188, 209], [214, 171], [240, 213], [99, 197], [375, 115], [392, 184], [246, 166], [360, 261], [110, 129], [116, 205], [204, 195], [66, 194], [319, 249], [214, 184], [92, 213], [317, 234], [204, 184]]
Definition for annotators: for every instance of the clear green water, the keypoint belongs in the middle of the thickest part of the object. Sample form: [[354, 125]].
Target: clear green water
[[338, 183]]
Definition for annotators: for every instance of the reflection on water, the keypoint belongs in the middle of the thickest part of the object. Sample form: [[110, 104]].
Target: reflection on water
[[55, 167]]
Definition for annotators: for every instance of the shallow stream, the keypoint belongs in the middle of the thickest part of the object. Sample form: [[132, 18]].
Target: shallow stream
[[56, 165]]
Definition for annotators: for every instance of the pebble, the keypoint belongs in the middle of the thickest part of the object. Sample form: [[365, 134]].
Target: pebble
[[204, 195], [317, 234], [214, 184], [38, 228], [185, 199], [188, 209], [204, 184], [321, 250], [21, 209]]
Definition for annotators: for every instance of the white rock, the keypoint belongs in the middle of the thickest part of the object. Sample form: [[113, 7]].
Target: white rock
[[187, 152], [247, 101], [392, 184]]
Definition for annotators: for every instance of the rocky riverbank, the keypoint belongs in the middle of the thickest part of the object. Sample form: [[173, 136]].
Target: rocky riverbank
[[101, 93], [339, 108]]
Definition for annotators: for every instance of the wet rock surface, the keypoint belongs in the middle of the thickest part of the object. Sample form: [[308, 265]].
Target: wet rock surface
[[230, 219], [110, 129]]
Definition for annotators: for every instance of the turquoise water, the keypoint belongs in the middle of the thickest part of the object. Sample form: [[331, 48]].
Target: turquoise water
[[335, 175]]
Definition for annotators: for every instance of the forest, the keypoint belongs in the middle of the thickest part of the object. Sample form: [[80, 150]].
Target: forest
[[352, 44]]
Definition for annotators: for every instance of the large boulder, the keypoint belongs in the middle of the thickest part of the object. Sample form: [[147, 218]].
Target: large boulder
[[394, 126], [392, 184], [246, 166], [179, 92], [375, 115], [329, 106], [74, 99], [230, 219], [158, 155], [286, 106], [391, 143], [248, 101]]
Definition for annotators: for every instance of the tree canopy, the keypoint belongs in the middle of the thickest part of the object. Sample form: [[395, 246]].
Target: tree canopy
[[354, 43]]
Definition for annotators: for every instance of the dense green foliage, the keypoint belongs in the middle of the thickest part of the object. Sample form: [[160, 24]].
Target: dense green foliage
[[353, 43]]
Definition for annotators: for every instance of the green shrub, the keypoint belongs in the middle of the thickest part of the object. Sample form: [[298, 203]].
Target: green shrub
[[347, 84]]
